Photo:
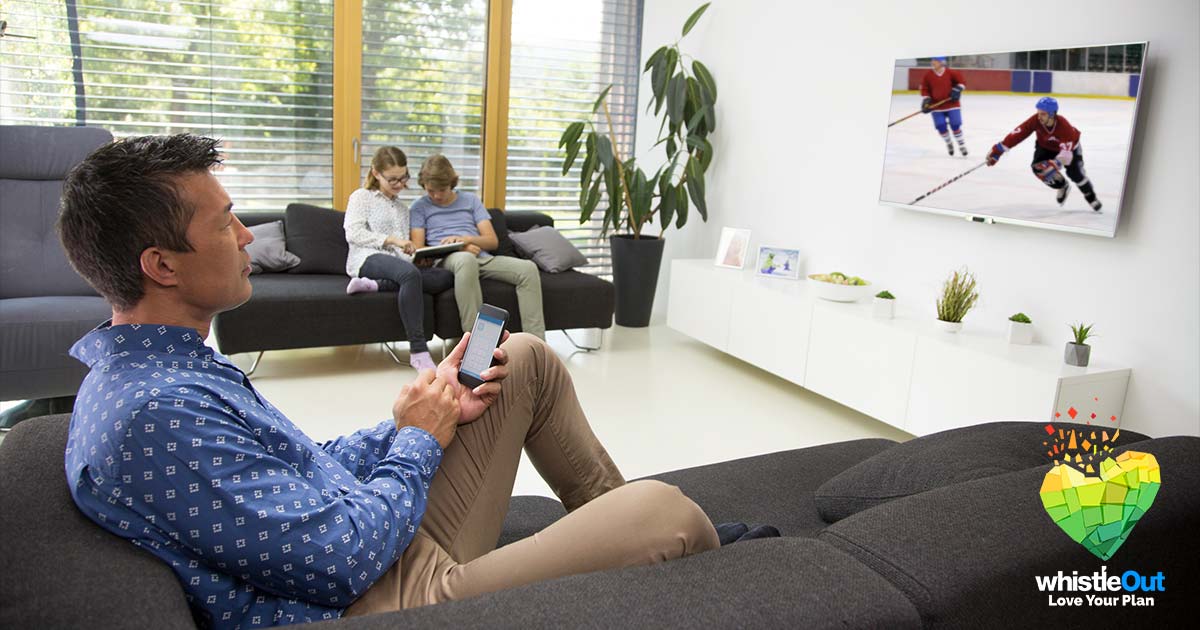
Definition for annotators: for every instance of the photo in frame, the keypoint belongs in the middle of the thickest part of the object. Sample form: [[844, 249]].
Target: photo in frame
[[731, 251], [777, 262]]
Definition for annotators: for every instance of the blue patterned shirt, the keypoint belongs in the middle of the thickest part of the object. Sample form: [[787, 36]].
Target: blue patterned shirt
[[172, 448]]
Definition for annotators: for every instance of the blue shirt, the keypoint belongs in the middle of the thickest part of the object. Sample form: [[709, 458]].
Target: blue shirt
[[460, 218], [171, 448]]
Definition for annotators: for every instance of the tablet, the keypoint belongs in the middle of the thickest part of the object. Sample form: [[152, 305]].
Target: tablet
[[438, 251]]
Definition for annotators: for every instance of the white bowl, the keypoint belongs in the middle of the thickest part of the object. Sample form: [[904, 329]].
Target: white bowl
[[840, 292]]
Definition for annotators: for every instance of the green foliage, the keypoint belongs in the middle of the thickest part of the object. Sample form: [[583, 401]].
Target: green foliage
[[886, 295], [958, 296], [1020, 318], [684, 101], [1082, 333]]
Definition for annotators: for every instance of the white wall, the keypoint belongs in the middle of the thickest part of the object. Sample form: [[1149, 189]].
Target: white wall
[[804, 91]]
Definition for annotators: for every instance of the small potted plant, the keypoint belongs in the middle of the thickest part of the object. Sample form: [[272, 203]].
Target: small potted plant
[[958, 297], [1020, 329], [1078, 352], [884, 306]]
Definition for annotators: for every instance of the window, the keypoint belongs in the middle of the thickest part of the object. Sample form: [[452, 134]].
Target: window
[[256, 73], [1116, 59], [423, 74], [1076, 59], [1058, 59], [1133, 58], [1095, 59], [563, 55], [1038, 60]]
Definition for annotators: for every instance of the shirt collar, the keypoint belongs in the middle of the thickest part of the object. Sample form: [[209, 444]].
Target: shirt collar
[[107, 340]]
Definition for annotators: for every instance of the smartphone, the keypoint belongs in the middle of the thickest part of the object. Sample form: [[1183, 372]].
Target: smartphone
[[485, 337]]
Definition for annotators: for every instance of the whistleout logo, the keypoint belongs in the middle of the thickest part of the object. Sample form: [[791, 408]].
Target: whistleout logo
[[1098, 500]]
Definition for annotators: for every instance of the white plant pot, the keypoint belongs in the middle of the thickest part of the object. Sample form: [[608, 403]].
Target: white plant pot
[[1020, 333], [883, 308], [950, 327]]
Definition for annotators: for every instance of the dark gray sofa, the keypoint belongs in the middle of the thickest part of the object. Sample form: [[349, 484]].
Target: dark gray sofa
[[963, 555], [311, 308], [44, 305]]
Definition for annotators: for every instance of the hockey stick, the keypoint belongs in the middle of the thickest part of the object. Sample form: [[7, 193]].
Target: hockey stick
[[945, 100], [947, 183]]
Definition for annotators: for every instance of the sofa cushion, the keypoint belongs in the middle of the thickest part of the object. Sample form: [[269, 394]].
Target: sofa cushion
[[316, 235], [776, 488], [570, 299], [972, 551], [60, 570], [500, 225], [777, 583], [268, 251], [549, 249], [940, 459], [36, 335]]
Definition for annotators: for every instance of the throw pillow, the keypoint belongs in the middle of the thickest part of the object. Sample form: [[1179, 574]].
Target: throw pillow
[[269, 251], [500, 224], [942, 459], [549, 249], [316, 235]]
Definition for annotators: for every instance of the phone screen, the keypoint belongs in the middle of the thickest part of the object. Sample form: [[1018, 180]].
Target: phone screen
[[484, 339]]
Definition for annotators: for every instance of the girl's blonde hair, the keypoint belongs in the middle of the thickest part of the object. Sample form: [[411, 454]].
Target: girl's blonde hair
[[385, 158], [437, 172]]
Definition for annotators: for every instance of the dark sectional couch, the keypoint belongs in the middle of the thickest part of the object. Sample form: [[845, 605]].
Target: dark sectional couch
[[943, 537], [308, 306]]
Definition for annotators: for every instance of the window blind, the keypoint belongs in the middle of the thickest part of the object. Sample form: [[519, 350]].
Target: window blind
[[423, 73], [563, 55], [256, 73]]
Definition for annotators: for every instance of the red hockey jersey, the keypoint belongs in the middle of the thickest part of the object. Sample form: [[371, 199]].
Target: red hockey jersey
[[1061, 137], [937, 88]]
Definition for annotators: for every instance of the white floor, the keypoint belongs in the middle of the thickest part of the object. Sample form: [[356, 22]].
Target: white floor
[[657, 399]]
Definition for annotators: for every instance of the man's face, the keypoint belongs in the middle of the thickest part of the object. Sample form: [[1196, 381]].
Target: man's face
[[215, 276], [937, 65], [440, 196], [1046, 118]]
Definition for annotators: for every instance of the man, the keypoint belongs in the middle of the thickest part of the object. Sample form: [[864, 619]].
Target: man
[[941, 90], [173, 449], [1056, 151]]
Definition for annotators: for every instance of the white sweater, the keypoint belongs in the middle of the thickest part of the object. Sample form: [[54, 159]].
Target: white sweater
[[370, 219]]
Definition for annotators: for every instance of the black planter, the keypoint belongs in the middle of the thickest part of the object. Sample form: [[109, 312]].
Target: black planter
[[635, 277]]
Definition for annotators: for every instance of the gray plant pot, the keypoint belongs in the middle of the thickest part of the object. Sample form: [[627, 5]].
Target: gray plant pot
[[1077, 354]]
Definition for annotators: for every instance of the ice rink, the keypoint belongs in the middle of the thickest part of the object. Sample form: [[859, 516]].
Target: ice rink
[[916, 161]]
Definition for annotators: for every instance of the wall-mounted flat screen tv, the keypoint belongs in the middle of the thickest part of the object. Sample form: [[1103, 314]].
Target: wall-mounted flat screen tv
[[1035, 137]]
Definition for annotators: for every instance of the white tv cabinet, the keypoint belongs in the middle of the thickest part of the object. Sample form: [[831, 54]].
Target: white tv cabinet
[[903, 371]]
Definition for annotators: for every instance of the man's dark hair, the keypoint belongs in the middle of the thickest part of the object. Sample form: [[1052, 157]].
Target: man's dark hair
[[124, 198]]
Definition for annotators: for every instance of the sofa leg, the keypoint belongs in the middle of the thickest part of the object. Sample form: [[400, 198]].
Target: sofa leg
[[585, 348], [387, 346], [256, 360]]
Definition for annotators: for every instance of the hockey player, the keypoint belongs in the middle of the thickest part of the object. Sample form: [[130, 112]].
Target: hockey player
[[940, 83], [1057, 152]]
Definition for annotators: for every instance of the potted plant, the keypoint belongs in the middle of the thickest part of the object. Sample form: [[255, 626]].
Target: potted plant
[[958, 297], [884, 306], [685, 103], [1020, 329], [1078, 352]]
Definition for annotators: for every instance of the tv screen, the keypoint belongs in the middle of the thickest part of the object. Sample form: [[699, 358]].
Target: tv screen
[[1034, 137]]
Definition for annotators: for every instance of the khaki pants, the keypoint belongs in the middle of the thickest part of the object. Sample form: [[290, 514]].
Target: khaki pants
[[610, 523], [522, 274]]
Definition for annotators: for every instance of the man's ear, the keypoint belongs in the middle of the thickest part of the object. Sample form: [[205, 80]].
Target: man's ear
[[159, 266]]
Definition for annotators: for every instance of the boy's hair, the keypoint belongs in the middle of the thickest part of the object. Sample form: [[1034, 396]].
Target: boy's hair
[[385, 158], [437, 172], [124, 198]]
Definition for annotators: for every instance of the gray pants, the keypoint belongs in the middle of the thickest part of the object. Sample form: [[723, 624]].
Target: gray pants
[[523, 274]]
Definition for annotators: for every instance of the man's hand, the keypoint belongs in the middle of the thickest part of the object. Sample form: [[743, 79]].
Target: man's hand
[[429, 403], [472, 249], [450, 240], [473, 402], [993, 156], [925, 105]]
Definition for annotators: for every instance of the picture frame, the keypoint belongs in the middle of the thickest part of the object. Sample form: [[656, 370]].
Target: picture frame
[[732, 248], [778, 262]]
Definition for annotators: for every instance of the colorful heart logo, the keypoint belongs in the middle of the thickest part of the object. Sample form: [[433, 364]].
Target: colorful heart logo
[[1099, 512]]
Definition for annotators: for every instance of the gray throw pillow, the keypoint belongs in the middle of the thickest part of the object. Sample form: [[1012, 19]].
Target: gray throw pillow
[[943, 459], [548, 249], [269, 251]]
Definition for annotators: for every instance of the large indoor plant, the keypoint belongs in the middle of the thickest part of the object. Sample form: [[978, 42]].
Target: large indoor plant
[[684, 101]]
